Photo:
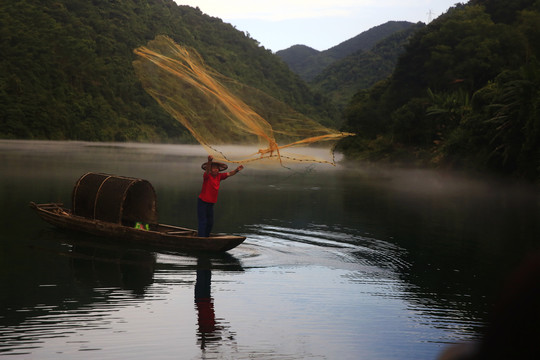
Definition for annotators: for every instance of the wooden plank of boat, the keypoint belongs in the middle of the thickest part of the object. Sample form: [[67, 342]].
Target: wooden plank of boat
[[162, 236]]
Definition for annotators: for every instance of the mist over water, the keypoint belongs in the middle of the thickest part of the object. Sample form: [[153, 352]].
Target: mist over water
[[340, 262]]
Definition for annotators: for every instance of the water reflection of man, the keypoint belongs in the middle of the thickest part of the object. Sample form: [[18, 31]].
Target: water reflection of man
[[205, 306], [211, 330], [208, 329]]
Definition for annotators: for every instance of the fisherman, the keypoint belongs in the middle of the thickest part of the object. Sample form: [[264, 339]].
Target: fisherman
[[208, 197]]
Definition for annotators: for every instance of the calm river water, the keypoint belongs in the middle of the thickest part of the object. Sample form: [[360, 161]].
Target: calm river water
[[340, 262]]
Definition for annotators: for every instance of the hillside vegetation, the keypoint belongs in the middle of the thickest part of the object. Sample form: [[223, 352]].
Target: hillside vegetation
[[465, 94], [66, 68]]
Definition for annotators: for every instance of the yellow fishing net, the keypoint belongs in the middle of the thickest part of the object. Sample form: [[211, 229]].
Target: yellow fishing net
[[218, 110]]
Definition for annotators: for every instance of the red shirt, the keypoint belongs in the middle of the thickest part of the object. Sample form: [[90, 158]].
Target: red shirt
[[210, 187]]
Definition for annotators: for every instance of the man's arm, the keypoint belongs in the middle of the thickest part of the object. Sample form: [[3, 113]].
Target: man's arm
[[209, 164], [235, 171]]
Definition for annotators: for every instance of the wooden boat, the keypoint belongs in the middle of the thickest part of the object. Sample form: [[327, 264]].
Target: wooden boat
[[112, 206]]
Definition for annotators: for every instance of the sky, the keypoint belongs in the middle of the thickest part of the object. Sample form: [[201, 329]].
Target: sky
[[320, 24]]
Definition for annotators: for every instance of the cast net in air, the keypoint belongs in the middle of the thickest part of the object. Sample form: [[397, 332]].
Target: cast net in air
[[220, 111]]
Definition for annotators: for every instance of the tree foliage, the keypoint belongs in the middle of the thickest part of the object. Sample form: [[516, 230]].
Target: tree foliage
[[465, 93]]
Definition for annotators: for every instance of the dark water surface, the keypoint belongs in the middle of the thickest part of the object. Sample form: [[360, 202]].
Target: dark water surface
[[339, 262]]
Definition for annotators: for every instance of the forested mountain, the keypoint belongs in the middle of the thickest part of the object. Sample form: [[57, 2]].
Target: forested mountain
[[296, 55], [308, 62], [362, 69], [466, 94], [66, 68]]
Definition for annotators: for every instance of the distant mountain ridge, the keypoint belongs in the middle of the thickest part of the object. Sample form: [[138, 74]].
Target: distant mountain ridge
[[363, 68], [308, 62]]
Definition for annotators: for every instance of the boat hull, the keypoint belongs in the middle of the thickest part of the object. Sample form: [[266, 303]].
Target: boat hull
[[163, 236]]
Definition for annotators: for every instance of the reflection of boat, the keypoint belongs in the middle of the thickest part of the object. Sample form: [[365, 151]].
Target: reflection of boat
[[104, 266], [125, 208]]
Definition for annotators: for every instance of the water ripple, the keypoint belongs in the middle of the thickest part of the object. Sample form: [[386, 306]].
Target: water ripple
[[272, 245]]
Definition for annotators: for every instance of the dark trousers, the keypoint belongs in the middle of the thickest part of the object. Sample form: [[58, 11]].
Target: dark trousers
[[205, 215]]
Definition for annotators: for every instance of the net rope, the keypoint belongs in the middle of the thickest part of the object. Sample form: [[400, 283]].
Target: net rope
[[218, 110]]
